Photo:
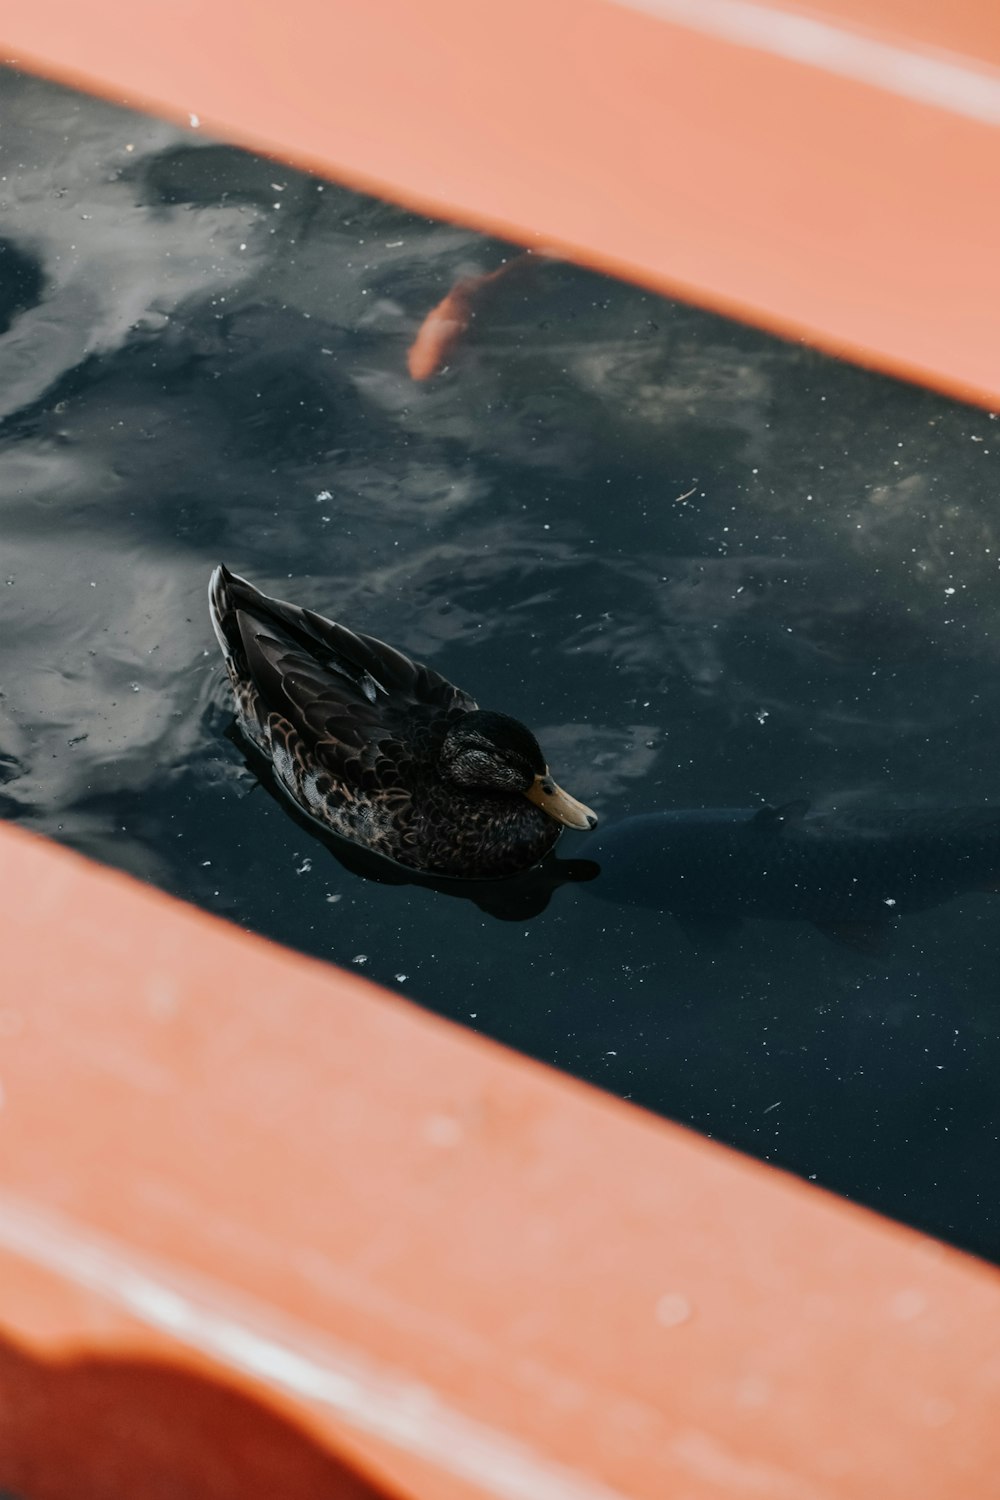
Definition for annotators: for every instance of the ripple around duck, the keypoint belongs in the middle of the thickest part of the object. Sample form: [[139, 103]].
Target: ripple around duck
[[706, 566]]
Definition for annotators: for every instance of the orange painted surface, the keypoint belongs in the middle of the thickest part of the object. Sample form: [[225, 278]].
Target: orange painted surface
[[969, 29], [817, 205], [102, 1426], [213, 1150]]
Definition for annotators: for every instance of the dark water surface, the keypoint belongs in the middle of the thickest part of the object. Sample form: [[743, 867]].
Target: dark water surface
[[202, 357]]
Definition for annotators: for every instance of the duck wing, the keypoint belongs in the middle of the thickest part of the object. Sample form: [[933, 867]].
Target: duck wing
[[350, 696]]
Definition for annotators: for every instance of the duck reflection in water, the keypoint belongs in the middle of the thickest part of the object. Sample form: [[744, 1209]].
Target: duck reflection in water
[[851, 874]]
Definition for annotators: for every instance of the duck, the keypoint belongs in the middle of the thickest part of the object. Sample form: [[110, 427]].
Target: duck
[[382, 750]]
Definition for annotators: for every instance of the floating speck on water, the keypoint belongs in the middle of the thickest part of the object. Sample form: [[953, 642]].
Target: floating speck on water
[[205, 864], [304, 867], [333, 898], [890, 900], [761, 715], [9, 582], [77, 739], [401, 978], [134, 686], [360, 958], [325, 495]]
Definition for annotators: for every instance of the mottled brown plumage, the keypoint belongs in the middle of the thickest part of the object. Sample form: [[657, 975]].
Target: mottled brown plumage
[[381, 749]]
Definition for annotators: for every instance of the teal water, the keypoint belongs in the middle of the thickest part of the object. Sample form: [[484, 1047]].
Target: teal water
[[706, 566]]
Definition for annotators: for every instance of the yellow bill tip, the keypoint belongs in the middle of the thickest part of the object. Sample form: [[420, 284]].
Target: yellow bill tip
[[545, 793]]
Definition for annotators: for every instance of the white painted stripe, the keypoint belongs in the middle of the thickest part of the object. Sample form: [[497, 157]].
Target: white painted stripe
[[259, 1342], [942, 80]]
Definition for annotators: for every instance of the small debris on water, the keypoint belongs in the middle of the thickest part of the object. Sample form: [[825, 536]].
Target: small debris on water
[[336, 896], [359, 959], [304, 867], [890, 900], [401, 978]]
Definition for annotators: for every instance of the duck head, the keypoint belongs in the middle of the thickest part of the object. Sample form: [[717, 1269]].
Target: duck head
[[492, 752]]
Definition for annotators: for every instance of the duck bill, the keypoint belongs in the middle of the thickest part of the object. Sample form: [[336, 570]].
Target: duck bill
[[544, 793]]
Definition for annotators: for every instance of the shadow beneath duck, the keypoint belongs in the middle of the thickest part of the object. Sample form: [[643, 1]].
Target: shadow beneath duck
[[851, 873], [516, 898]]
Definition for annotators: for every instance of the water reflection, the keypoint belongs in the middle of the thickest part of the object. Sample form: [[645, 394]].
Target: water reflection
[[850, 873], [205, 356]]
